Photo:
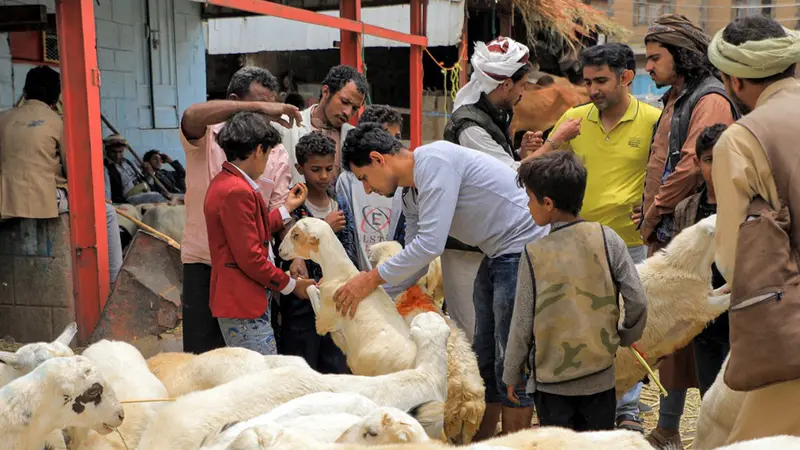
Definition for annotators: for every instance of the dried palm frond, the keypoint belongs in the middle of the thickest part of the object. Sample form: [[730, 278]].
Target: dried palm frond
[[566, 23]]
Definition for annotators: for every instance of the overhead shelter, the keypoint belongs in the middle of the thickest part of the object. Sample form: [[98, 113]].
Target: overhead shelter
[[81, 80]]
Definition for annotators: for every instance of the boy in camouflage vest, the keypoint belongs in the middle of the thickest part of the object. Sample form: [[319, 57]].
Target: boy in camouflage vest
[[564, 328]]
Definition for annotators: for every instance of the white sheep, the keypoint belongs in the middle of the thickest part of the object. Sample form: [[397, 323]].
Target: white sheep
[[29, 356], [126, 372], [184, 424], [431, 282], [718, 413], [324, 416], [677, 283], [274, 437], [466, 402], [182, 373], [60, 393], [376, 341], [768, 443]]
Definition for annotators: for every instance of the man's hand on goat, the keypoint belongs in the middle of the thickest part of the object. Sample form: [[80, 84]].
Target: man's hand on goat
[[297, 195], [358, 288], [300, 287], [298, 269], [336, 221], [636, 215]]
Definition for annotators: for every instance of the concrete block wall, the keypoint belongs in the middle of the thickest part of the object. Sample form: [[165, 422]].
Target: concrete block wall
[[36, 295], [123, 60]]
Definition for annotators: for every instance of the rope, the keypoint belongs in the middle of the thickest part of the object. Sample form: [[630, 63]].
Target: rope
[[454, 72]]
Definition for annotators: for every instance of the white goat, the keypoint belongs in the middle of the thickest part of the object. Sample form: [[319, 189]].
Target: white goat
[[376, 341], [126, 372], [466, 402], [677, 283], [182, 373], [320, 411], [768, 443], [431, 282], [274, 437], [60, 393], [29, 356], [718, 413], [184, 424]]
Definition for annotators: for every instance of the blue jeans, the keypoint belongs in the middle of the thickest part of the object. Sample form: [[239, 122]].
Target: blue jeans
[[493, 295], [628, 404], [252, 334]]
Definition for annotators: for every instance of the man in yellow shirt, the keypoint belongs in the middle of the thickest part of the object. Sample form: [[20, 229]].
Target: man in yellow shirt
[[612, 135]]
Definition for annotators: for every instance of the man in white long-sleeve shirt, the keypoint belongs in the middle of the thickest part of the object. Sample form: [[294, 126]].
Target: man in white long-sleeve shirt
[[475, 199]]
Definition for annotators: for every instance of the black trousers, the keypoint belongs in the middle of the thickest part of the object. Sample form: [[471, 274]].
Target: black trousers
[[580, 413], [201, 331]]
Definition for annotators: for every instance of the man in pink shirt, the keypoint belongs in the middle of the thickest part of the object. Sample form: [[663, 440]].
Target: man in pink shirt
[[250, 89]]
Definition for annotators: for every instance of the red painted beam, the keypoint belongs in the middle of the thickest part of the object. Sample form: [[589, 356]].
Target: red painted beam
[[415, 74], [350, 48], [304, 15], [80, 81]]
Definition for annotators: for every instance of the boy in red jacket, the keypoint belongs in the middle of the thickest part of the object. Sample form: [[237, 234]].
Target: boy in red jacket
[[243, 273]]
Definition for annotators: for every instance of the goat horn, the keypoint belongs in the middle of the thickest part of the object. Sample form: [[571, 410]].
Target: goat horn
[[68, 334]]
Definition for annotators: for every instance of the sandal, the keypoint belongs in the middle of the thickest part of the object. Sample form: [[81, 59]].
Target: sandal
[[630, 423], [661, 442]]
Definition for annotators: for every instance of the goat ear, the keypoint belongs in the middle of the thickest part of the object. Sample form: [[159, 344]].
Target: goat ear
[[68, 334], [386, 420], [11, 359]]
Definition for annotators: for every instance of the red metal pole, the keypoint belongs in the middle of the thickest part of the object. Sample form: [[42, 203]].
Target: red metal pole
[[350, 48], [80, 81], [415, 75]]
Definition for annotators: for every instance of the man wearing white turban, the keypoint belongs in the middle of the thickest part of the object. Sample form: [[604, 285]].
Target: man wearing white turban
[[482, 114], [755, 162]]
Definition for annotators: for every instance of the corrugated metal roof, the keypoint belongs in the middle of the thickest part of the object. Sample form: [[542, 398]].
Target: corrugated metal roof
[[263, 33]]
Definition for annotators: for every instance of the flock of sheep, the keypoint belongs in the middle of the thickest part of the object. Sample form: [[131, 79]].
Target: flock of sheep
[[416, 382]]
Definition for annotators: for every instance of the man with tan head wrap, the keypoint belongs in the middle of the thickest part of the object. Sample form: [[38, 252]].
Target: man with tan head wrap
[[676, 57], [756, 158]]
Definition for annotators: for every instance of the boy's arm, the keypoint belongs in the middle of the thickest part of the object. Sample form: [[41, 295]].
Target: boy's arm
[[237, 215], [630, 288], [278, 218], [521, 332]]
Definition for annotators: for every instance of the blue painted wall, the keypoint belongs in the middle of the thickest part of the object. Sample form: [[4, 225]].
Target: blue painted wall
[[123, 59], [644, 88]]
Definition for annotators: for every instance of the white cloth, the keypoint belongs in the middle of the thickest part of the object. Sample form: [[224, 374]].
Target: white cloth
[[501, 58], [479, 139]]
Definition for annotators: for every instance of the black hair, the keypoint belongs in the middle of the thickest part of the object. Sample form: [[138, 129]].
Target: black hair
[[44, 84], [521, 73], [614, 56], [295, 99], [244, 77], [367, 137], [559, 175], [708, 138], [149, 155], [689, 64], [757, 28], [339, 76], [382, 114], [314, 144], [244, 132]]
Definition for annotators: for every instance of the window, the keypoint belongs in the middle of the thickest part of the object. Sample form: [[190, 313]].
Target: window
[[646, 12]]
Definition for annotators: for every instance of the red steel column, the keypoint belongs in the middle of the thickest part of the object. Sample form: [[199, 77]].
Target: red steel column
[[350, 47], [80, 81], [415, 75]]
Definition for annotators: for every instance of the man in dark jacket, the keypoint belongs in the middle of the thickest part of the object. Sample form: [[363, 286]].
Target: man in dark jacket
[[173, 180]]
